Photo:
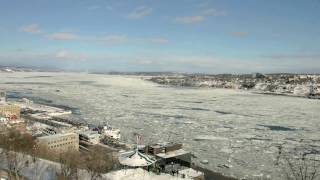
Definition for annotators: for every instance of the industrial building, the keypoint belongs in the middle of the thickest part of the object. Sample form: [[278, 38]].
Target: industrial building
[[60, 143]]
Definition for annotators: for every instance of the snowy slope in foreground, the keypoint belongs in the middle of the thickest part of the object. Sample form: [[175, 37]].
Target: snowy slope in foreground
[[134, 174]]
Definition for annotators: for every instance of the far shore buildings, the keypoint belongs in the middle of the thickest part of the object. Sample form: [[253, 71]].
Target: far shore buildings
[[60, 143]]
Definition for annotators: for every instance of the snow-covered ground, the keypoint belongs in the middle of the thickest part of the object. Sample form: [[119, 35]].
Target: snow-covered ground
[[134, 174], [230, 127], [44, 169]]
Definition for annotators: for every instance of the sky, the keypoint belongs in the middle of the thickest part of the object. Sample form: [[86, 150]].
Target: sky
[[200, 36]]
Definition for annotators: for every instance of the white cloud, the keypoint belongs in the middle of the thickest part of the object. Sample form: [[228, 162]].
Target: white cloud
[[201, 64], [180, 61], [94, 7], [190, 19], [32, 29], [201, 16], [108, 7], [295, 63], [140, 12], [115, 39], [63, 36], [299, 56], [203, 4], [35, 29], [159, 41], [70, 56], [61, 54], [213, 12]]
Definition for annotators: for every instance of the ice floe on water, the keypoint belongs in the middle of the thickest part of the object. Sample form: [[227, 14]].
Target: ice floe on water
[[210, 138], [237, 132]]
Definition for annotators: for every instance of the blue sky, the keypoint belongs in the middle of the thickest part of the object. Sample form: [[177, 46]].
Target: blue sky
[[225, 36]]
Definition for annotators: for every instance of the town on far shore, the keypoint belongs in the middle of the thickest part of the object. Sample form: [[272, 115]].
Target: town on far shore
[[298, 85]]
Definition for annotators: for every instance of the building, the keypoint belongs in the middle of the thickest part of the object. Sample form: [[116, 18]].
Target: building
[[11, 111], [3, 98], [257, 75], [92, 137], [191, 174], [168, 153], [172, 159], [60, 143]]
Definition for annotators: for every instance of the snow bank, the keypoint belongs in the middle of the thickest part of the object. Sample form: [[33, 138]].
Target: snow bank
[[134, 174]]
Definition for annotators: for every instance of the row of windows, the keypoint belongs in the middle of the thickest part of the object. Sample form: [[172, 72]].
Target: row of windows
[[69, 147], [60, 145], [60, 140]]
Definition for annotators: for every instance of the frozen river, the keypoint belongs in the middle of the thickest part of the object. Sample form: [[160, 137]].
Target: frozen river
[[230, 127]]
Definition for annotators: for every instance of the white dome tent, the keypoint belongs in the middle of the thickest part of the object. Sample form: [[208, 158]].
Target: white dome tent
[[135, 158]]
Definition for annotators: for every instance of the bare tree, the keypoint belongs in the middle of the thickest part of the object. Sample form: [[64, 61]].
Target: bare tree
[[20, 150], [16, 147], [97, 162], [69, 164], [299, 167]]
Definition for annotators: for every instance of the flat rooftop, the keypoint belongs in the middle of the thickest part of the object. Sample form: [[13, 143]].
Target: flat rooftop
[[172, 154], [191, 173], [56, 136]]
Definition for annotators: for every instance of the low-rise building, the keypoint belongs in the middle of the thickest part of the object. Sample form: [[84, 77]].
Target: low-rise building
[[172, 159], [60, 143], [92, 137], [168, 153], [11, 111], [3, 98]]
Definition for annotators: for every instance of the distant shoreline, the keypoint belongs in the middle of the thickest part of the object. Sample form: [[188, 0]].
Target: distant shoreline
[[239, 90], [283, 94]]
